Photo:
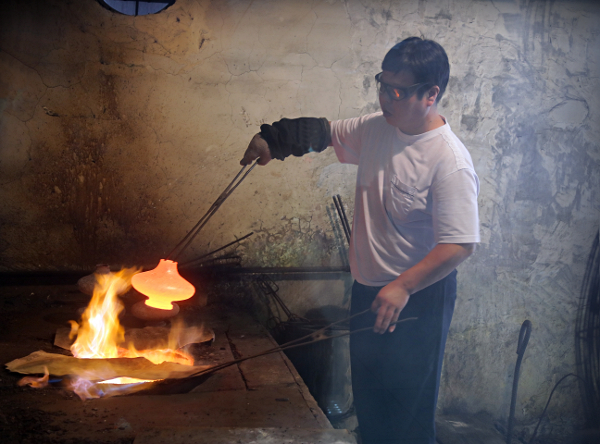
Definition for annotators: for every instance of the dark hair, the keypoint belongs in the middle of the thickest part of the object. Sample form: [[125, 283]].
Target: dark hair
[[426, 60]]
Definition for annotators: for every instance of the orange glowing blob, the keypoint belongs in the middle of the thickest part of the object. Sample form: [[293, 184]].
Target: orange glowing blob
[[163, 285]]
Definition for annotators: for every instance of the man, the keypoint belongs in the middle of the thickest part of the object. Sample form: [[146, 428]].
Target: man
[[415, 221]]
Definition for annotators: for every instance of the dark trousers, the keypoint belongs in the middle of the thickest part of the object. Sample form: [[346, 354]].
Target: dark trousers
[[396, 376]]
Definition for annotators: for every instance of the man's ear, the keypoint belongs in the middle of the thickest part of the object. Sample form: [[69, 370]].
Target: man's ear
[[432, 94]]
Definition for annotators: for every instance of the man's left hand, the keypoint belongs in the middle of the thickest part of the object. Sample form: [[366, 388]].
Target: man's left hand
[[388, 304], [438, 263]]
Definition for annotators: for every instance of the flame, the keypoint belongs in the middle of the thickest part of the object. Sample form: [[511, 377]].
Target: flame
[[86, 389], [100, 334], [34, 382], [100, 331]]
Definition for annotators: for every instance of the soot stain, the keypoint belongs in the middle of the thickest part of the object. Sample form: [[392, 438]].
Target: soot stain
[[78, 185], [108, 95]]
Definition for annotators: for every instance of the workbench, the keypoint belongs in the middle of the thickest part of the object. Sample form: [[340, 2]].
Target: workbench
[[259, 400]]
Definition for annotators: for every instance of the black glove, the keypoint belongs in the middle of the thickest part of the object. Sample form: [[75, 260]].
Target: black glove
[[296, 136]]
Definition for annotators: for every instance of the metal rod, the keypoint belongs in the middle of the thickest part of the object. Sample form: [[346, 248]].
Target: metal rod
[[217, 250], [265, 284], [290, 272], [192, 233], [217, 261], [521, 346], [337, 200], [344, 214], [339, 212], [189, 237]]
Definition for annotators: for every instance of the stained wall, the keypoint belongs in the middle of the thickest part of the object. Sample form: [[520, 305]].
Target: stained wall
[[117, 133]]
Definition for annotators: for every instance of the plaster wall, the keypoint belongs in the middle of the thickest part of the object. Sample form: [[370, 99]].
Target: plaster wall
[[117, 133]]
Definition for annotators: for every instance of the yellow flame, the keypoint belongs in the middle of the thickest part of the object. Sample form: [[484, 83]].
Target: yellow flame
[[100, 331], [100, 334]]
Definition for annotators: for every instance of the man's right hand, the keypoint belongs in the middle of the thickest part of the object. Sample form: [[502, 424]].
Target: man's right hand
[[257, 149]]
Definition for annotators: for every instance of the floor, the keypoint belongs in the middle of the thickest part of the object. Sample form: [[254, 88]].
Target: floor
[[262, 399]]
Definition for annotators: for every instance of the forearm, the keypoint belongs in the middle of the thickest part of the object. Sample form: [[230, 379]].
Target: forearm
[[392, 298], [435, 266]]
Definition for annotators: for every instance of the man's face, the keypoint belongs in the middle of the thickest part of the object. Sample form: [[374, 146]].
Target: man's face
[[407, 114]]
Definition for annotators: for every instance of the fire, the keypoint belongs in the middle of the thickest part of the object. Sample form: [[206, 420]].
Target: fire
[[100, 334], [100, 331], [32, 381]]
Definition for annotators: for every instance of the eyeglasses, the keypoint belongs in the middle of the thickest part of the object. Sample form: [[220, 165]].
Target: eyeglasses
[[396, 92]]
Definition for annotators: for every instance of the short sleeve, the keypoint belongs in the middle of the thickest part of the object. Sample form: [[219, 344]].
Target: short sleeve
[[455, 210], [346, 139]]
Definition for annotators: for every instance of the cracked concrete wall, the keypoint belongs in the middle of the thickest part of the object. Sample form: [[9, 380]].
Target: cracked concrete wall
[[117, 133]]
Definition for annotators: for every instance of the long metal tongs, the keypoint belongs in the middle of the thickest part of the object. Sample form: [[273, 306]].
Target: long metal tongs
[[187, 240], [316, 336]]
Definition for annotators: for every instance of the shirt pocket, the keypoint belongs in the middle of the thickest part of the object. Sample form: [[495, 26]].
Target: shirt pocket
[[400, 199]]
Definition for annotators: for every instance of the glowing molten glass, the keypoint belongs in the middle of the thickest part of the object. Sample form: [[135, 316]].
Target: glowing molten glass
[[163, 285]]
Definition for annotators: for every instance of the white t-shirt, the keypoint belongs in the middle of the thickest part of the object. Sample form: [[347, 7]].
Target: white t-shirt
[[412, 192]]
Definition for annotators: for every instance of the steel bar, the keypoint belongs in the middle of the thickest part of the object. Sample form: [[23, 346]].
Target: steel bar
[[344, 214], [225, 260], [67, 277], [339, 211], [337, 200], [521, 346], [292, 270], [345, 218]]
